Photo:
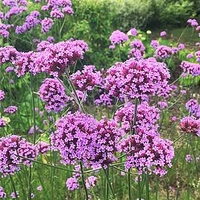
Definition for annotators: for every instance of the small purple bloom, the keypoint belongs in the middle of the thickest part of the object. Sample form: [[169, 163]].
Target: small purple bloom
[[11, 109], [133, 32], [90, 181], [2, 95], [118, 37], [72, 183], [2, 193], [163, 33]]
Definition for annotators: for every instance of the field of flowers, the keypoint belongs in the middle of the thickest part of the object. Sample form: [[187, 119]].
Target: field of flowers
[[74, 131]]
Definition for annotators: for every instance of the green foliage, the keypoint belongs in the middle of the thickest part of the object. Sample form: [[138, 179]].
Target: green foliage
[[133, 14], [171, 13], [92, 22]]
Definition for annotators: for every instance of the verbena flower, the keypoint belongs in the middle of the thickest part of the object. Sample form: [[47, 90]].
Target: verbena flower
[[31, 21], [80, 137], [86, 79], [14, 11], [43, 147], [137, 49], [13, 3], [56, 58], [34, 129], [73, 136], [3, 122], [15, 151], [193, 107], [72, 183], [2, 192], [181, 46], [189, 68], [163, 33], [197, 54], [190, 55], [147, 152], [154, 43], [14, 195], [46, 23], [133, 32], [163, 52], [105, 143], [4, 30], [90, 182], [24, 63], [11, 109], [136, 79], [118, 37], [58, 9], [188, 158], [52, 93], [192, 22], [9, 69], [191, 125], [2, 95], [146, 117], [7, 54]]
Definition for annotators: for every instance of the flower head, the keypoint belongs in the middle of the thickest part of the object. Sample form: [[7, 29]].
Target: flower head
[[52, 92]]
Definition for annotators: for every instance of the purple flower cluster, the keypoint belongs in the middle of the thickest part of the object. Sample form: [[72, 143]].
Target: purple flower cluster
[[14, 3], [90, 182], [105, 143], [50, 58], [57, 57], [146, 118], [189, 68], [11, 109], [14, 11], [43, 147], [72, 183], [163, 33], [14, 151], [4, 30], [137, 49], [136, 79], [7, 54], [24, 63], [193, 107], [52, 92], [46, 23], [118, 37], [154, 43], [2, 95], [3, 122], [191, 125], [86, 79], [147, 152], [58, 8], [133, 32], [80, 137], [31, 21], [73, 136], [192, 22], [197, 54], [2, 193], [163, 52]]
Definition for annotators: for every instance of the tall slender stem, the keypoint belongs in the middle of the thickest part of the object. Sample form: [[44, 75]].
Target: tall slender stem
[[83, 180]]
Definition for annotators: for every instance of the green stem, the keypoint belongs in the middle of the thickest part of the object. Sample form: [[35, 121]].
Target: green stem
[[13, 186], [147, 186], [83, 180], [139, 188], [108, 182], [129, 185]]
